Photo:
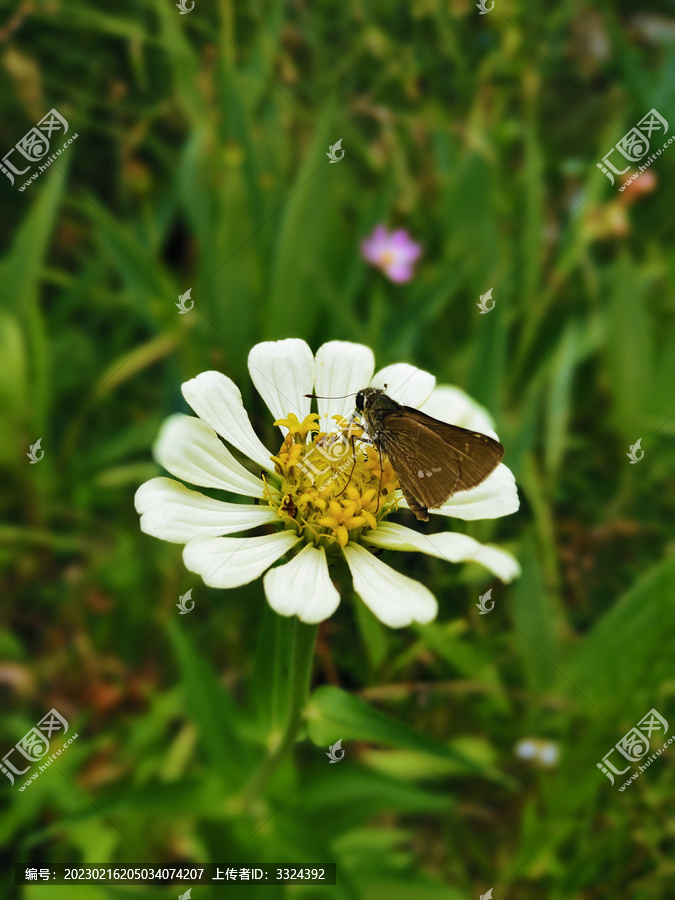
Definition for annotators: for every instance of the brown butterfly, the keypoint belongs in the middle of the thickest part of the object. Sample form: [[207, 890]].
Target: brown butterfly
[[432, 460]]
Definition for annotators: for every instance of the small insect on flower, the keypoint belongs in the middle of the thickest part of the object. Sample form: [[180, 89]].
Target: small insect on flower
[[432, 459], [330, 489]]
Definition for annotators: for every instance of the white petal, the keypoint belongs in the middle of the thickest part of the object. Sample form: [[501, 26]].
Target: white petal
[[172, 512], [227, 562], [526, 749], [217, 401], [454, 548], [190, 450], [405, 384], [341, 368], [302, 587], [496, 496], [453, 405], [395, 599], [283, 372]]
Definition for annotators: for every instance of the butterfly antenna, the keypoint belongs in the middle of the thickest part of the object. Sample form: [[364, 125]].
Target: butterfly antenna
[[343, 397]]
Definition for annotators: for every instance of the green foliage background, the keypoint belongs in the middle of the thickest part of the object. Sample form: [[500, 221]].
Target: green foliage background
[[200, 162]]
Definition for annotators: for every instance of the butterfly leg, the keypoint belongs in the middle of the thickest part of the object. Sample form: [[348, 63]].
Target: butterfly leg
[[379, 490], [354, 437]]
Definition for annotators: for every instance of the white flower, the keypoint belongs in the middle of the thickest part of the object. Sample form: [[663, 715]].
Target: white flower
[[317, 498], [539, 750], [526, 749]]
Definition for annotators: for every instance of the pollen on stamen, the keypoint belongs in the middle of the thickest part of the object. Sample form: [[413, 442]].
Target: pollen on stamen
[[331, 486]]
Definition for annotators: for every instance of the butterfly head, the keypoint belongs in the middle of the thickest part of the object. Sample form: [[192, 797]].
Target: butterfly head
[[375, 404]]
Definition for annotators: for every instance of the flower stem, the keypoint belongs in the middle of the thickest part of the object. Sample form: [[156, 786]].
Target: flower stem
[[301, 657]]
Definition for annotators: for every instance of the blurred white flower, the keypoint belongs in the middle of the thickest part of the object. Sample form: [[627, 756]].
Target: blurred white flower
[[313, 518], [548, 753], [541, 751], [526, 749]]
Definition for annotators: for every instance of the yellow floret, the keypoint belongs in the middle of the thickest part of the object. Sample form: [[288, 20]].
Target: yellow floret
[[330, 489]]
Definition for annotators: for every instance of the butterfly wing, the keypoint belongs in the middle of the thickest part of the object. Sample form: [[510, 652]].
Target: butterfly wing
[[478, 454], [433, 459]]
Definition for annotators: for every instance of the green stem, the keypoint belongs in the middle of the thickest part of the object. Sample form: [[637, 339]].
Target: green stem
[[301, 654]]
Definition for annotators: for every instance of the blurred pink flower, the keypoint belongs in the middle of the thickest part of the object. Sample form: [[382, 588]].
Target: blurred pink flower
[[394, 253]]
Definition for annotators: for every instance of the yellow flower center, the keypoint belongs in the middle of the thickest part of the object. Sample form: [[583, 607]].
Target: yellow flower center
[[331, 485]]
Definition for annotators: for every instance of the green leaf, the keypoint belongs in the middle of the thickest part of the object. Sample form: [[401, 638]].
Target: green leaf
[[269, 682], [629, 348], [410, 765], [471, 661], [533, 620], [349, 795], [630, 651], [559, 396], [211, 708], [373, 634], [14, 370], [486, 378], [144, 277], [303, 234], [20, 280], [333, 714], [13, 388], [132, 362]]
